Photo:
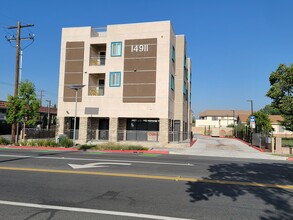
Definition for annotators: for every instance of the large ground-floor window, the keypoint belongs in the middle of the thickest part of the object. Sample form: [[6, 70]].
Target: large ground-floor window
[[142, 129]]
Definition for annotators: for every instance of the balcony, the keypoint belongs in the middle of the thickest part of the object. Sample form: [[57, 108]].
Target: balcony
[[98, 54], [96, 84]]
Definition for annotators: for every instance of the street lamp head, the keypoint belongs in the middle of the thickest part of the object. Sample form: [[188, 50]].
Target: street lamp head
[[76, 86]]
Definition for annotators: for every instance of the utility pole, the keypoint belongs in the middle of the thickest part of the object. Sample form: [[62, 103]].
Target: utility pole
[[18, 48], [41, 97], [49, 106]]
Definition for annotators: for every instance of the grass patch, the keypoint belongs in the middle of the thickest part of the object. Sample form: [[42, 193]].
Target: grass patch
[[65, 142], [112, 146], [283, 155], [287, 142]]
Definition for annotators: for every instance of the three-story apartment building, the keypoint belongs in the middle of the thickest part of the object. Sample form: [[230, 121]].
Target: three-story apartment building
[[137, 83]]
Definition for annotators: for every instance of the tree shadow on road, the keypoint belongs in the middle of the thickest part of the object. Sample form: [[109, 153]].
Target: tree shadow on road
[[279, 201]]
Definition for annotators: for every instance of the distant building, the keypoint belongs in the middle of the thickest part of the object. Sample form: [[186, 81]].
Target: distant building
[[137, 81], [219, 118], [43, 119]]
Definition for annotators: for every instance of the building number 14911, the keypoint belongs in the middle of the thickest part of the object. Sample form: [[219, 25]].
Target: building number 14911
[[140, 48]]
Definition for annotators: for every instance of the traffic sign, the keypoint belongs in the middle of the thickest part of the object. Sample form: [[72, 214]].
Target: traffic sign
[[252, 118]]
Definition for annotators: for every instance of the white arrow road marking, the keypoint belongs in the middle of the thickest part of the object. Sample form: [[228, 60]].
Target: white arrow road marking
[[94, 165], [92, 159]]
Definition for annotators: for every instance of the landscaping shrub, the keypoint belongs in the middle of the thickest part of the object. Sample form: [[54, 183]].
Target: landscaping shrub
[[66, 142], [4, 141], [112, 146]]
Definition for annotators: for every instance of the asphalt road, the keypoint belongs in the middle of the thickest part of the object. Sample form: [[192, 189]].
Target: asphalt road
[[42, 185]]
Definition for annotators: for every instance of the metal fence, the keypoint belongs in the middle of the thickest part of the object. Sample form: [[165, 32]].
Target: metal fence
[[175, 136], [33, 133], [260, 140]]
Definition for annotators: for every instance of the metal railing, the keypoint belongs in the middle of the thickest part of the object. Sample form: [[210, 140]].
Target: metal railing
[[69, 133], [98, 61], [176, 136], [35, 133], [94, 135], [130, 135], [96, 90]]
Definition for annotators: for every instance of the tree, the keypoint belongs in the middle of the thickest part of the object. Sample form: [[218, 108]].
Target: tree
[[262, 122], [270, 110], [24, 107], [281, 92]]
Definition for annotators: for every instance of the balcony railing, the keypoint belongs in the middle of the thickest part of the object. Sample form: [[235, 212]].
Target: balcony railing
[[96, 90], [98, 61]]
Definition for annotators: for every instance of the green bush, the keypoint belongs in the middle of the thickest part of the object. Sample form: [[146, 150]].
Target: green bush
[[66, 142], [112, 146], [4, 141]]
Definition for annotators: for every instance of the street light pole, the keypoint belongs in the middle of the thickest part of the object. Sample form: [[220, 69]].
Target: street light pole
[[251, 106], [76, 88]]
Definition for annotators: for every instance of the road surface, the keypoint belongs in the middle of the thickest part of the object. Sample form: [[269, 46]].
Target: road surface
[[82, 185]]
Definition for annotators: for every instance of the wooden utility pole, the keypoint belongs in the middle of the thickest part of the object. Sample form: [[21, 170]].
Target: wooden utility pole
[[17, 39]]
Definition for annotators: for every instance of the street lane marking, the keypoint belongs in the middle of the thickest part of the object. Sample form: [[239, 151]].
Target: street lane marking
[[141, 176], [94, 165], [102, 160], [94, 211]]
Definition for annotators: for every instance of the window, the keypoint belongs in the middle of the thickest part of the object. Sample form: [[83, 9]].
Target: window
[[186, 73], [172, 82], [185, 89], [115, 79], [173, 53], [116, 49], [185, 64]]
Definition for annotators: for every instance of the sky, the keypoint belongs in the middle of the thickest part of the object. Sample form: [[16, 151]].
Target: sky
[[234, 45]]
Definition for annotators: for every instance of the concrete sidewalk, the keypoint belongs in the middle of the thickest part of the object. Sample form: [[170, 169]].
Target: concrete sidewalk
[[223, 147]]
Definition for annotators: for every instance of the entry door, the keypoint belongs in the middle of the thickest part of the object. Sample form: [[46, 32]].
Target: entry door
[[103, 129], [176, 130]]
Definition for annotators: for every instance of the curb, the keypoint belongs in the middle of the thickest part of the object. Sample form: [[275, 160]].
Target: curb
[[39, 148], [75, 149], [192, 142]]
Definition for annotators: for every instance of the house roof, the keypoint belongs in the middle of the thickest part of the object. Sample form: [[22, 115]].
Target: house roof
[[222, 113], [275, 119], [243, 117]]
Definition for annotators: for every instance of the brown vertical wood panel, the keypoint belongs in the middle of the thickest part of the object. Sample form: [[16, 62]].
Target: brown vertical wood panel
[[139, 82], [74, 59]]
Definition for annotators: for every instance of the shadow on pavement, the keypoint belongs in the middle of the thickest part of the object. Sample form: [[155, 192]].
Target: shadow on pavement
[[279, 201]]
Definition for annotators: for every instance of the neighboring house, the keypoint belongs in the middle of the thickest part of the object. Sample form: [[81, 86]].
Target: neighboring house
[[218, 118], [279, 130], [137, 83], [44, 112]]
